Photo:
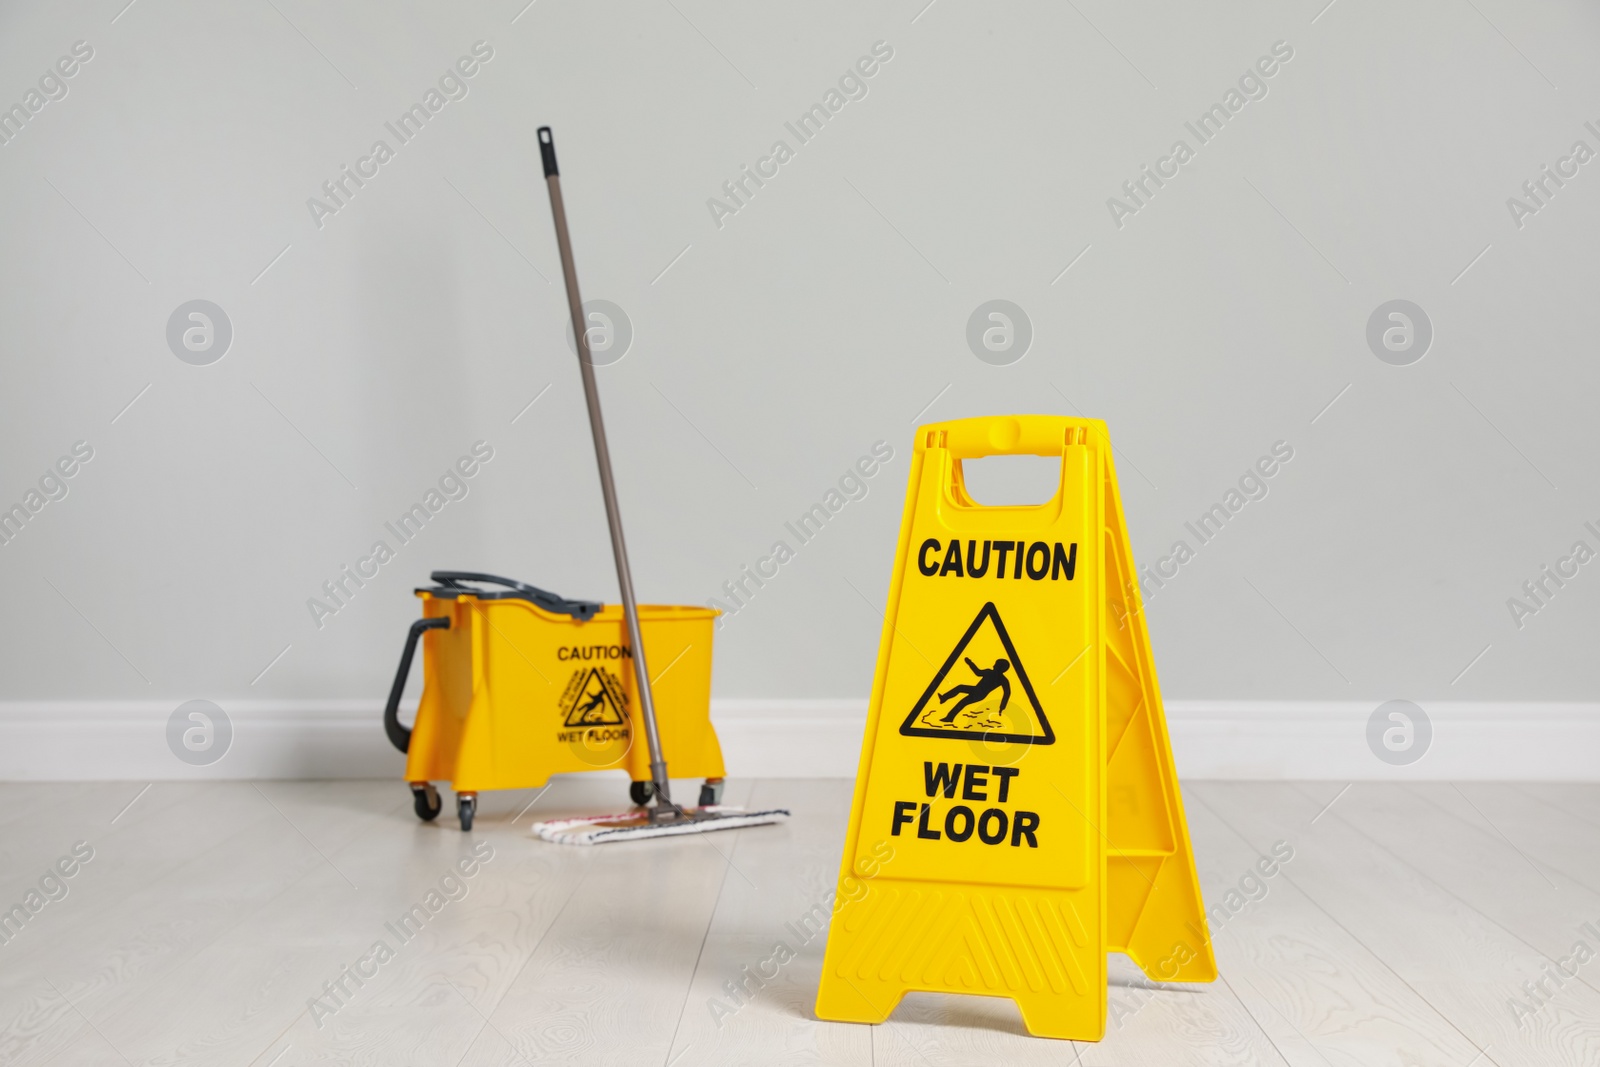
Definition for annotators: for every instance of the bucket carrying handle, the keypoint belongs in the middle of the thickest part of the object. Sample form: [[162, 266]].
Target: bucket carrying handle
[[582, 610], [399, 736]]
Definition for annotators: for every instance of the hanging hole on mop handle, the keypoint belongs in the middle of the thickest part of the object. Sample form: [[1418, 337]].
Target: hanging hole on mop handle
[[547, 151]]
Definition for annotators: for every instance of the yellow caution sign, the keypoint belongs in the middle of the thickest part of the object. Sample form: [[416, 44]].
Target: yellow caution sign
[[1016, 754]]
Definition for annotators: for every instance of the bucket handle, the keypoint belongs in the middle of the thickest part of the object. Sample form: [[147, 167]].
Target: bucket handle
[[582, 610], [399, 736]]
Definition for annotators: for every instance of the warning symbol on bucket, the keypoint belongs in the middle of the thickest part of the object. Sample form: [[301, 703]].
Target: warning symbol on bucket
[[594, 697], [982, 689]]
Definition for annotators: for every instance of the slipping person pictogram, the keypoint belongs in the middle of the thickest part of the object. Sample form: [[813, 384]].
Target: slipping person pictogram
[[982, 706], [594, 697], [988, 681]]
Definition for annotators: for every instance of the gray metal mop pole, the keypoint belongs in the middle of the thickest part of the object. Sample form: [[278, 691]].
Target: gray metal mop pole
[[602, 455]]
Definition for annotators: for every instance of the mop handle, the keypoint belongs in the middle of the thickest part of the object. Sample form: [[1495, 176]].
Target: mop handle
[[602, 455]]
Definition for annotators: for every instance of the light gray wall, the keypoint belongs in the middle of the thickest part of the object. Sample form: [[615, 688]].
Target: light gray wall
[[829, 313]]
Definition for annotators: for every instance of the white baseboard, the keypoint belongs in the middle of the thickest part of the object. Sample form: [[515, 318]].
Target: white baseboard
[[126, 740]]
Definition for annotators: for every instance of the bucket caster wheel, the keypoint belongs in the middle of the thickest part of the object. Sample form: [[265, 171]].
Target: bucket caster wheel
[[711, 792], [425, 799], [641, 792], [466, 807]]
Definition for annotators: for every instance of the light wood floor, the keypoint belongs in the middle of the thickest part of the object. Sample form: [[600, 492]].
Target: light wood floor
[[1400, 933]]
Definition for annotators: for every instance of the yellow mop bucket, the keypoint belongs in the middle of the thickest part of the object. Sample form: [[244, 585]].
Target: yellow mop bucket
[[520, 684]]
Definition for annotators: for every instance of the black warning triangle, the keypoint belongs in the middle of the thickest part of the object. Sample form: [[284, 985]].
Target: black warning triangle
[[986, 707], [596, 701]]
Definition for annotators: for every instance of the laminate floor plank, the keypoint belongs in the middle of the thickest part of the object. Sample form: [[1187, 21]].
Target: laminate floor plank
[[1428, 827], [791, 870], [36, 816], [236, 923], [1579, 801], [1538, 837], [447, 980], [609, 980], [1317, 992], [750, 1003], [157, 890], [771, 920], [1457, 959]]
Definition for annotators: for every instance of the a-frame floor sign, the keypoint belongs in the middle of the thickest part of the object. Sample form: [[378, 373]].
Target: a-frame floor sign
[[1016, 771]]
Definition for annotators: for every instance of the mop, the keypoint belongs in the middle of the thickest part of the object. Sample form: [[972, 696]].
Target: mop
[[663, 818]]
